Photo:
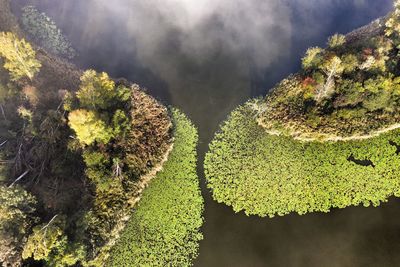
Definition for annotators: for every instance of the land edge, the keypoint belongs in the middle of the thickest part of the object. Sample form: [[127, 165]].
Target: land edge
[[372, 28], [142, 184], [143, 181]]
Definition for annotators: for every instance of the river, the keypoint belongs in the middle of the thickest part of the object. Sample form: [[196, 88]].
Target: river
[[206, 60]]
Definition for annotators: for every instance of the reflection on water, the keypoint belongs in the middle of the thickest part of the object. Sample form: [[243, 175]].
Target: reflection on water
[[206, 57]]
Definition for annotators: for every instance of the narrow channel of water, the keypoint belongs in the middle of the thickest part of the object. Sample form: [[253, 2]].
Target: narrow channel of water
[[209, 66]]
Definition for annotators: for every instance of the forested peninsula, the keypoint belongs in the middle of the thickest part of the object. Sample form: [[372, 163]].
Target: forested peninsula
[[93, 170], [325, 137]]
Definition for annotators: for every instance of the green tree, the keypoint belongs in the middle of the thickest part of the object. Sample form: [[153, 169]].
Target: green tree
[[19, 56], [48, 242], [120, 123], [393, 23], [313, 58], [45, 32], [43, 240], [97, 91], [98, 168], [350, 63], [16, 218], [336, 41]]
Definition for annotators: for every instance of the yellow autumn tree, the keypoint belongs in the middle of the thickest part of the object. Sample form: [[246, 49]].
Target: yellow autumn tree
[[89, 127], [19, 56]]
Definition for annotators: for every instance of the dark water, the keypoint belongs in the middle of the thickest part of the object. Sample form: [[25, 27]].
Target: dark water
[[207, 68]]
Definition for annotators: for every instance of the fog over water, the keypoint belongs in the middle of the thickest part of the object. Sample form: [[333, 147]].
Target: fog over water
[[208, 56]]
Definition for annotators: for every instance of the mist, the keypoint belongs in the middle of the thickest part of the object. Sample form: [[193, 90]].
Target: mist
[[157, 34], [217, 52], [257, 31]]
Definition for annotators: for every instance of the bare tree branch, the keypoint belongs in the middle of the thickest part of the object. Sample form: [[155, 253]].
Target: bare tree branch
[[19, 178], [2, 112], [2, 144], [48, 224]]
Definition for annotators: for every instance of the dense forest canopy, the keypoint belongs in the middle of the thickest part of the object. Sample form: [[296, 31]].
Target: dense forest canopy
[[78, 149], [349, 89]]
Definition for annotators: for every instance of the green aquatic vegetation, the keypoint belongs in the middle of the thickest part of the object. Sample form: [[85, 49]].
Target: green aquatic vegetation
[[45, 32], [269, 175], [164, 229]]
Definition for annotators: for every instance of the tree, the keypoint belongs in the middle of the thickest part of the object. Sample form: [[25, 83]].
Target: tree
[[98, 168], [19, 56], [336, 41], [332, 69], [43, 240], [99, 97], [16, 218], [44, 30], [393, 25], [350, 63], [88, 127], [313, 58], [48, 242], [98, 91], [380, 91]]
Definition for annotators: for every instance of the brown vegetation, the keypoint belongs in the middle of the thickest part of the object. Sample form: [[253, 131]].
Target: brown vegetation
[[149, 138]]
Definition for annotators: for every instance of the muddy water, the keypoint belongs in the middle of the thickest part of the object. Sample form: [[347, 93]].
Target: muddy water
[[210, 81]]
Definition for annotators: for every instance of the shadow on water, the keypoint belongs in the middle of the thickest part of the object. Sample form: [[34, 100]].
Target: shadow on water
[[210, 84]]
